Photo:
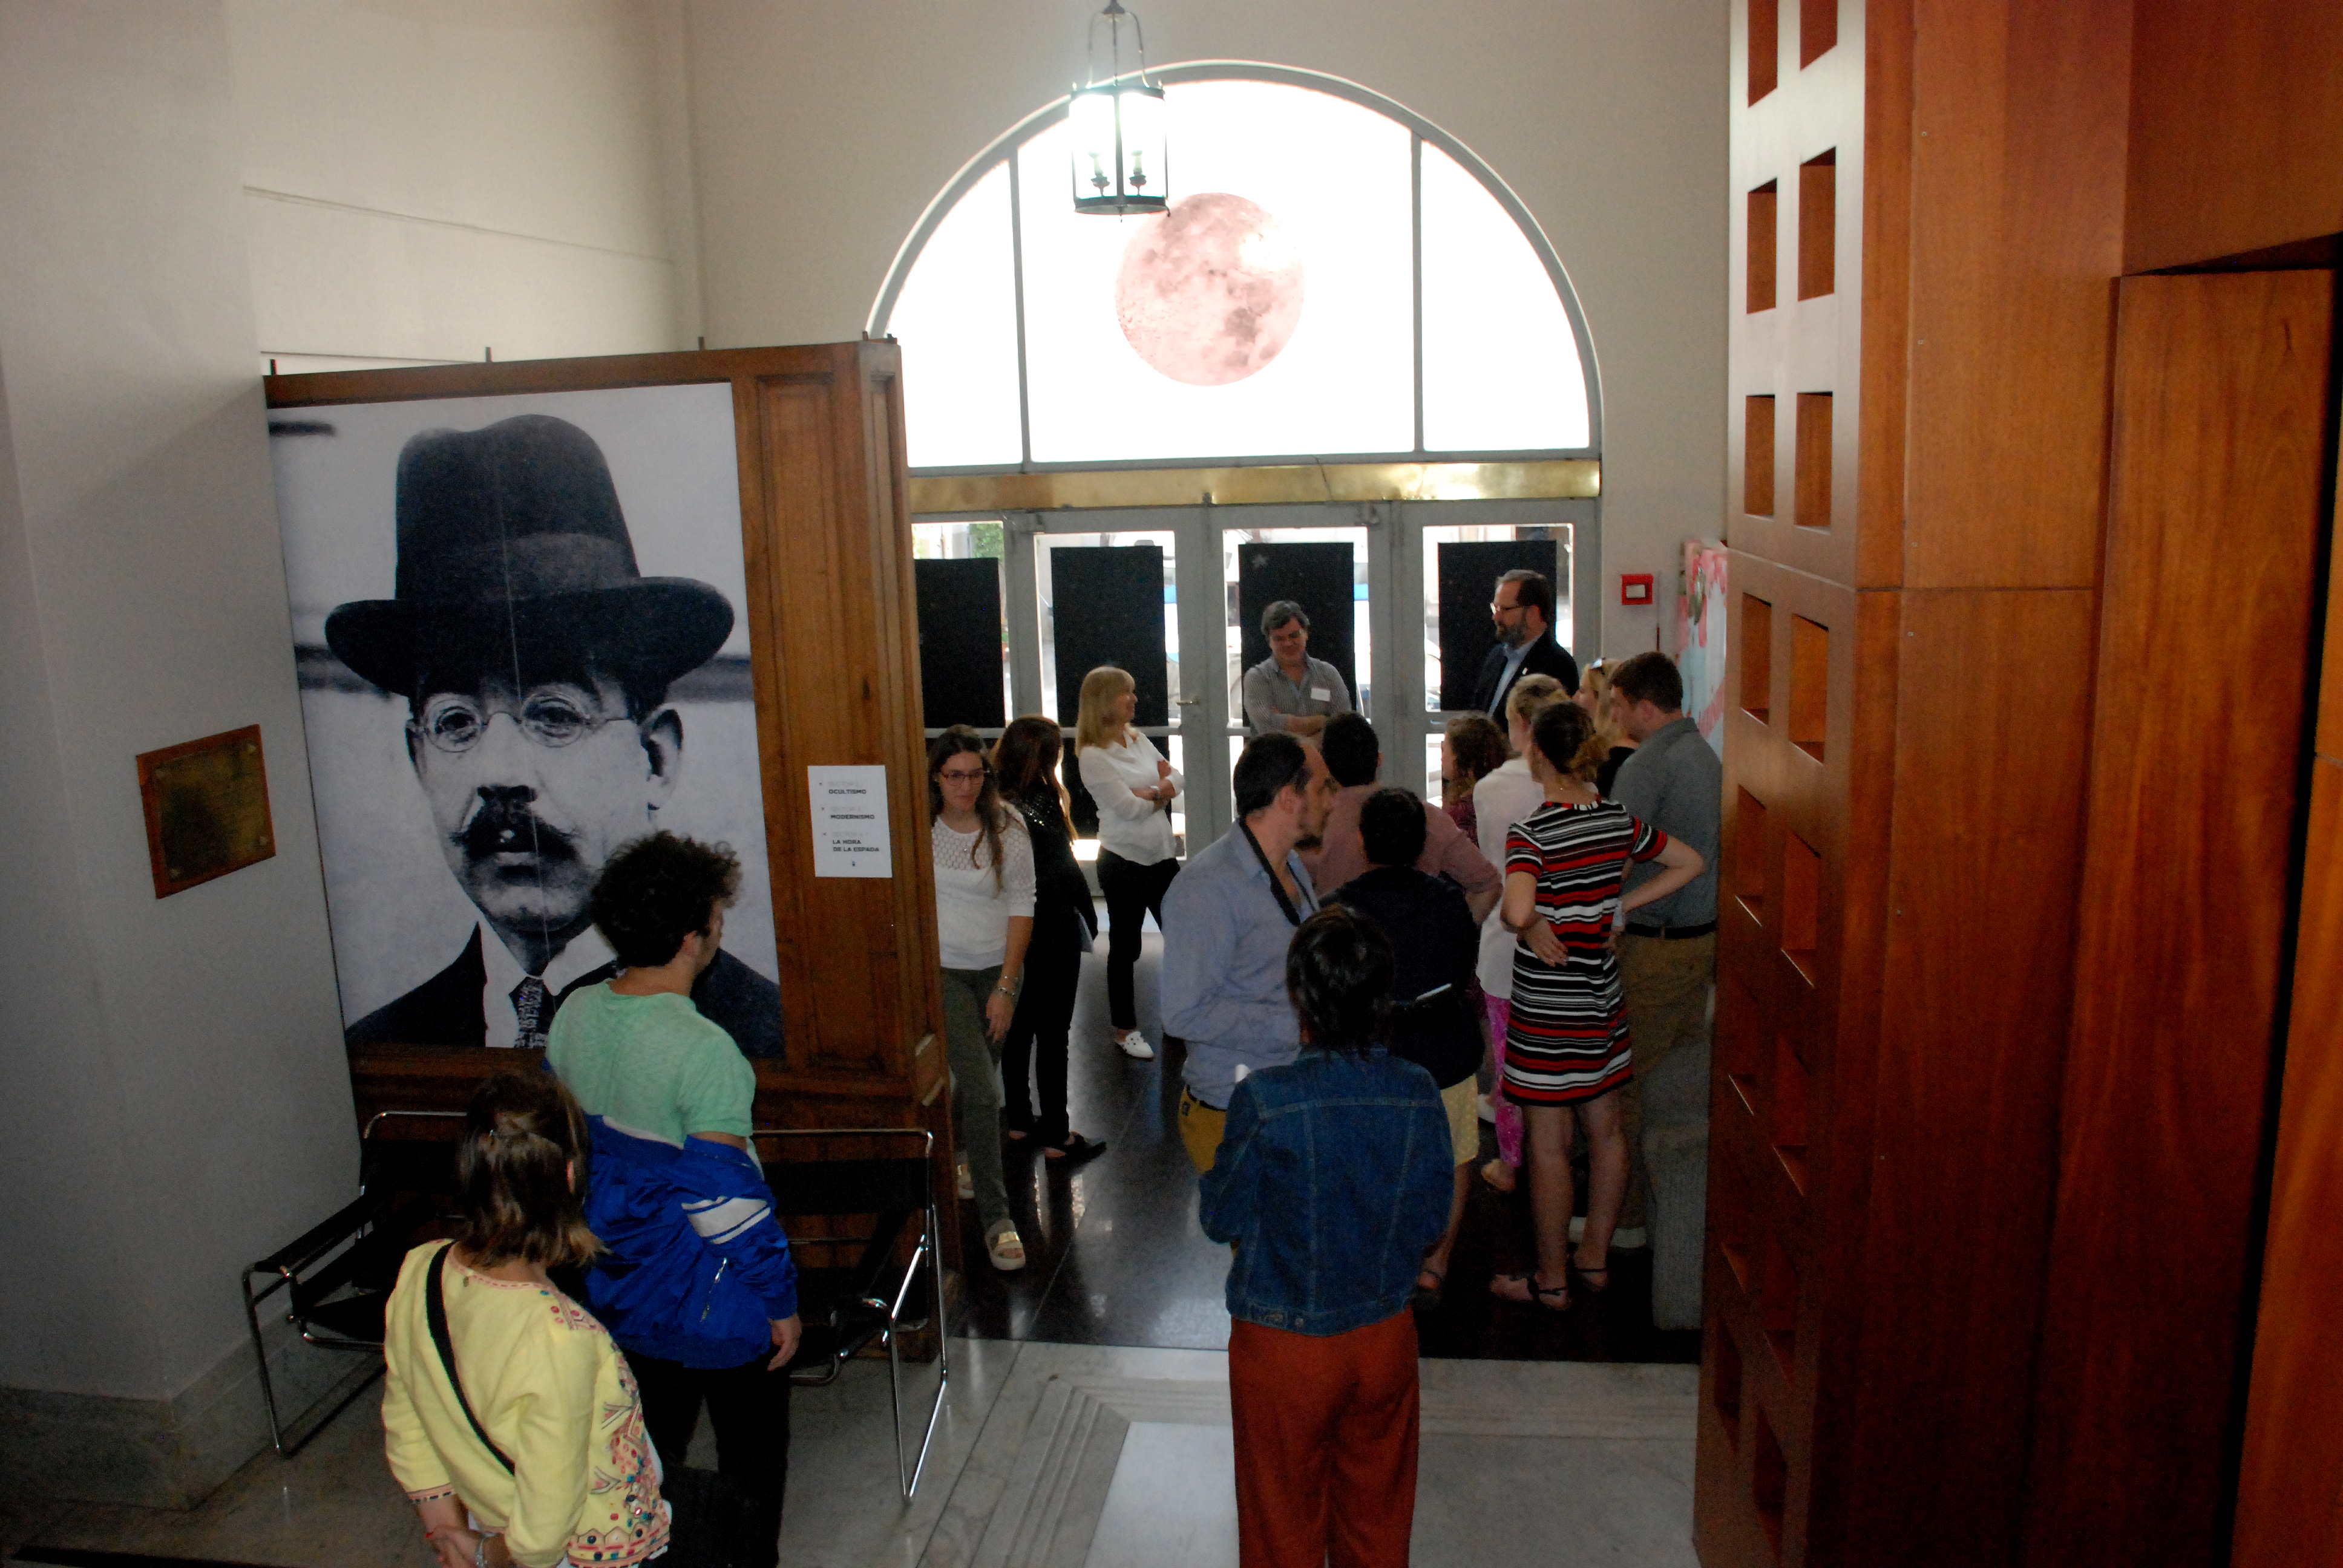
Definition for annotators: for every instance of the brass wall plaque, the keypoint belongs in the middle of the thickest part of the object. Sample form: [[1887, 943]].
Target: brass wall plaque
[[207, 808]]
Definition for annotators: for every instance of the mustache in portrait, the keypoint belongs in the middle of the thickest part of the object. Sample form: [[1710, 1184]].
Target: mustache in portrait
[[504, 825]]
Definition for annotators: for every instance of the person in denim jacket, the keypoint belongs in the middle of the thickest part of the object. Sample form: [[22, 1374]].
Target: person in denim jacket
[[1333, 1180]]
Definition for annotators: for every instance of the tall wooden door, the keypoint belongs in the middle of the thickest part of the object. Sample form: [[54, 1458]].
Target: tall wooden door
[[2217, 513], [2290, 1490]]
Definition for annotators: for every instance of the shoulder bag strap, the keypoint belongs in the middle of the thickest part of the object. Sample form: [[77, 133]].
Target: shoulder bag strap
[[1293, 917], [435, 1309]]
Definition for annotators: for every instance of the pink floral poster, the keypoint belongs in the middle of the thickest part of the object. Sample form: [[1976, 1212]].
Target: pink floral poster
[[1700, 637]]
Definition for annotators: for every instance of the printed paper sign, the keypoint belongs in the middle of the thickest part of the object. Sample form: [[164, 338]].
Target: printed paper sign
[[850, 821]]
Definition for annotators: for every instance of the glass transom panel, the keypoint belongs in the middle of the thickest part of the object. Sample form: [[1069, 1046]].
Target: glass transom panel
[[1272, 313]]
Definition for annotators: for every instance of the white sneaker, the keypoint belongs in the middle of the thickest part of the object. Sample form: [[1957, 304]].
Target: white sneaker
[[1135, 1045], [967, 1182]]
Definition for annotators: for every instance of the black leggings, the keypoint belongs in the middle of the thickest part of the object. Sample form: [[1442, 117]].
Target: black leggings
[[1045, 1012], [749, 1408], [1132, 891]]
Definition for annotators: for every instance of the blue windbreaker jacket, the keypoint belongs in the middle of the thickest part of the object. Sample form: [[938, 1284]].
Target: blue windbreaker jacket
[[697, 1265]]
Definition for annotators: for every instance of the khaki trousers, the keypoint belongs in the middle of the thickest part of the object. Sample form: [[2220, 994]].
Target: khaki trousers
[[1667, 985], [1200, 1130]]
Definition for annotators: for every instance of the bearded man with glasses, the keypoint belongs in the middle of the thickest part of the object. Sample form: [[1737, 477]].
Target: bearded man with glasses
[[535, 659]]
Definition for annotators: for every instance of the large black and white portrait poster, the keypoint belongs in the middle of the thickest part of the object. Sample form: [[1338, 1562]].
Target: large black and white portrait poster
[[522, 633]]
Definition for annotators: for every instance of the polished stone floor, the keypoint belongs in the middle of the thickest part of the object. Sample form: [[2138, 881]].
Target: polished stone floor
[[1071, 1455], [1115, 1256]]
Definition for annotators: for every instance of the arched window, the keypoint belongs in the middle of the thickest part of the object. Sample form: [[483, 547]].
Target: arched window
[[1337, 277]]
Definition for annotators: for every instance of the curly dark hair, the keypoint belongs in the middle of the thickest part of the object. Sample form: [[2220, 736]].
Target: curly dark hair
[[1338, 973], [659, 890]]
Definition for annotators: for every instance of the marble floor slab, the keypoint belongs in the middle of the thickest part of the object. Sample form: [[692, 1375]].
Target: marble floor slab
[[1046, 1456]]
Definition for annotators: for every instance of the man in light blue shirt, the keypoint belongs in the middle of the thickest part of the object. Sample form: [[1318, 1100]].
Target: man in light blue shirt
[[1227, 920]]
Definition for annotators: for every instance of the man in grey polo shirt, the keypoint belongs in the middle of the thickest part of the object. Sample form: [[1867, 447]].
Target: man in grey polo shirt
[[1290, 692], [1667, 959], [1228, 920]]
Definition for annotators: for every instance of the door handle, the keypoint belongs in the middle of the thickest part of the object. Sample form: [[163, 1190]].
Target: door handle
[[1186, 701]]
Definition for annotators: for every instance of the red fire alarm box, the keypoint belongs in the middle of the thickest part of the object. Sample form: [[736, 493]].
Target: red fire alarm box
[[1634, 587]]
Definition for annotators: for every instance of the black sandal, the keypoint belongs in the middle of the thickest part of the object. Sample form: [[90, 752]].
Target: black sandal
[[1586, 1278], [1075, 1147], [1538, 1294]]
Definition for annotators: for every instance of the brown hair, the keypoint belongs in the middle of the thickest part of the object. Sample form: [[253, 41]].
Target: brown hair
[[959, 738], [520, 1174], [1025, 761], [1565, 738], [1650, 678], [1477, 746]]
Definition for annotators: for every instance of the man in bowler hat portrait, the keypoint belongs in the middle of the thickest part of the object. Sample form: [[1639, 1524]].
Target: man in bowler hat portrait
[[535, 659]]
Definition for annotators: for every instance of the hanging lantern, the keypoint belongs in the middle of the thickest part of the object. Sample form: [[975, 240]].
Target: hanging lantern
[[1117, 129]]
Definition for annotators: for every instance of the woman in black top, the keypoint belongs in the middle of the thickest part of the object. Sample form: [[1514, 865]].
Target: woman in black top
[[1025, 761], [1435, 1017]]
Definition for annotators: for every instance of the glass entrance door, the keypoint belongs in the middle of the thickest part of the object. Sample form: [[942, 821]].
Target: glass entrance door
[[1396, 593]]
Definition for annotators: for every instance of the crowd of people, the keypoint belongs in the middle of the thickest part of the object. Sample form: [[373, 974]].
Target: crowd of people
[[1338, 969]]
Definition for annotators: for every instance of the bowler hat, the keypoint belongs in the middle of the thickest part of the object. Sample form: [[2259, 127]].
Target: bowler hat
[[512, 535]]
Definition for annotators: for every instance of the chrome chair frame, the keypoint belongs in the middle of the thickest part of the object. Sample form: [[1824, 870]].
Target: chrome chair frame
[[288, 1269], [896, 1324]]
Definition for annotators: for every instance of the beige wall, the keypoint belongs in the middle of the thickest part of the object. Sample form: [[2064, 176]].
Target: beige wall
[[429, 179], [821, 131], [178, 1099]]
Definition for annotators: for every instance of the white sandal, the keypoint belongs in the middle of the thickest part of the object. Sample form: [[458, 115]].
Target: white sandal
[[1006, 1248]]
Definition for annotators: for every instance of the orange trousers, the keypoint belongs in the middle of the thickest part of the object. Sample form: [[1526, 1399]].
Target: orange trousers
[[1326, 1431]]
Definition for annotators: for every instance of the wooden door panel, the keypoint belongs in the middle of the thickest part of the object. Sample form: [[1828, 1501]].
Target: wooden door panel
[[2216, 519]]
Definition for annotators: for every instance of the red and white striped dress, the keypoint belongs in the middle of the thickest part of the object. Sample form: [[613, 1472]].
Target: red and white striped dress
[[1567, 1041]]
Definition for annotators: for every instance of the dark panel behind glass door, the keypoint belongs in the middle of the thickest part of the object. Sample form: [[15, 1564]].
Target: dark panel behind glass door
[[1318, 578], [959, 643], [1468, 580], [1107, 607]]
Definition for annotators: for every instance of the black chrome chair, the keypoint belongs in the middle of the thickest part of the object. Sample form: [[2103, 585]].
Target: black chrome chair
[[336, 1276], [846, 1308]]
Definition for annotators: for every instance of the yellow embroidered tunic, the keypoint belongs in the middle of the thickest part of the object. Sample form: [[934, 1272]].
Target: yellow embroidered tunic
[[553, 1392]]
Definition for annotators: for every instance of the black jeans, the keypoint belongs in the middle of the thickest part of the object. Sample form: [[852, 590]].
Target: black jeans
[[1045, 1011], [749, 1407], [1132, 891]]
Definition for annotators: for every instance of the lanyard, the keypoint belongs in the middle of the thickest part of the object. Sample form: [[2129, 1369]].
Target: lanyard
[[1293, 917]]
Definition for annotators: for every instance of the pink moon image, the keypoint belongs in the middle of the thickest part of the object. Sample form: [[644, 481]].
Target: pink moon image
[[1211, 291]]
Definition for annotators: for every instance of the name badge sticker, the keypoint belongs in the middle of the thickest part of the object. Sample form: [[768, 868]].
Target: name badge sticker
[[1321, 694]]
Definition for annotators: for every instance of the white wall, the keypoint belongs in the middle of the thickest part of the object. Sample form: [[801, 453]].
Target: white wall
[[821, 131], [427, 181], [178, 1101]]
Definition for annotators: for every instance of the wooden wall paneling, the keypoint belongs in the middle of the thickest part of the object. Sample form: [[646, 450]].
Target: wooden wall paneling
[[1982, 857], [1800, 346], [2020, 109], [2290, 1481], [1780, 1120], [1877, 160], [2216, 519], [2236, 117]]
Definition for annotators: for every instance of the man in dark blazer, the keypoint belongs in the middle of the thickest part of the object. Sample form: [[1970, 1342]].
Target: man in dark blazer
[[517, 599], [1523, 610]]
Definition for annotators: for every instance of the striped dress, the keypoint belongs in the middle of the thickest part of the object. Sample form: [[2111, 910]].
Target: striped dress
[[1567, 1039]]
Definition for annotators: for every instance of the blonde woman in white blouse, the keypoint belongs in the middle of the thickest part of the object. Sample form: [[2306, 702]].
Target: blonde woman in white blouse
[[984, 918], [1134, 787]]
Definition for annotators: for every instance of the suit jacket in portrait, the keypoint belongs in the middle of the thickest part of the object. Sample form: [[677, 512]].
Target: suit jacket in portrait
[[1545, 657], [445, 1008]]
